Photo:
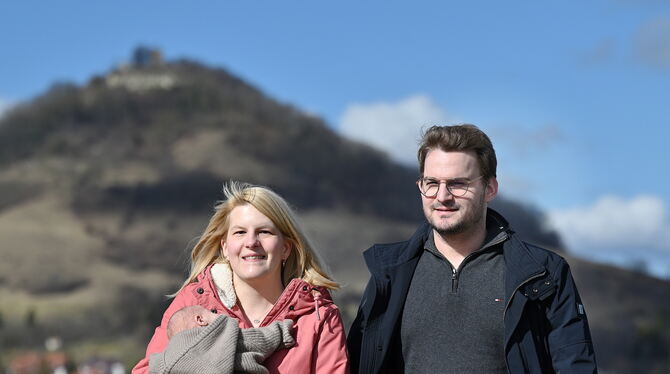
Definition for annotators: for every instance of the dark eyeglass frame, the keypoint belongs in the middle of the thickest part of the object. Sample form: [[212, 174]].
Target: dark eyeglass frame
[[467, 181]]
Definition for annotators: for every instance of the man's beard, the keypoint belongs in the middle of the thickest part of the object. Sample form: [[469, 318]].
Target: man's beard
[[467, 222]]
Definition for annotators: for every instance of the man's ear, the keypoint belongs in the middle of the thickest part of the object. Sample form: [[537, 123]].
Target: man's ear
[[491, 189]]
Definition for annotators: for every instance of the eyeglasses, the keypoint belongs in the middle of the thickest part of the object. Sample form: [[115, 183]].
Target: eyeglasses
[[429, 187]]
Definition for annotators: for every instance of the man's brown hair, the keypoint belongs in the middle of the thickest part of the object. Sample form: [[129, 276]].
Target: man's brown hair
[[460, 138]]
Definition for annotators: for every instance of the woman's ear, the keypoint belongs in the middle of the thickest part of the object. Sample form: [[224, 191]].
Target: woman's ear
[[224, 249], [288, 247]]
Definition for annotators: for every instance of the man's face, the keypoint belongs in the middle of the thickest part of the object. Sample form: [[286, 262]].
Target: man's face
[[448, 214]]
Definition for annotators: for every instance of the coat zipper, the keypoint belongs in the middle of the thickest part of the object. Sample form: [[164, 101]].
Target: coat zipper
[[510, 301], [372, 327]]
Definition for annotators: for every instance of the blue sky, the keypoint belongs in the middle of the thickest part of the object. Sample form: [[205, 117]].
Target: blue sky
[[574, 94]]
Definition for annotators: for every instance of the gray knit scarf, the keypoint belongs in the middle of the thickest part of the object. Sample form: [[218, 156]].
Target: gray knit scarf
[[222, 347]]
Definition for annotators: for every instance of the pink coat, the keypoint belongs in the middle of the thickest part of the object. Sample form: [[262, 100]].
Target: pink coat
[[319, 332]]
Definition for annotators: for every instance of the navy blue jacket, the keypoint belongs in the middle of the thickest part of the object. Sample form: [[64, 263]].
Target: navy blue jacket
[[546, 329]]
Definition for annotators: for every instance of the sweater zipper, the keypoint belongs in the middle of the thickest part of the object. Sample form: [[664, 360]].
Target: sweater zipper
[[454, 280], [455, 272]]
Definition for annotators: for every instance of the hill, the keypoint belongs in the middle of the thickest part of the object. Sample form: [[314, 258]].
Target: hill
[[104, 186]]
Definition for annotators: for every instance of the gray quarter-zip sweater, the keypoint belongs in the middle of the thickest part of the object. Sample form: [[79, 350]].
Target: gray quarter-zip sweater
[[452, 321]]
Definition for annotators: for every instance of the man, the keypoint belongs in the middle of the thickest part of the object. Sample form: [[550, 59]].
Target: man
[[464, 294]]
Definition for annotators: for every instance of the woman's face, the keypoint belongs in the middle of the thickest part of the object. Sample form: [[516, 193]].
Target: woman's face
[[254, 246]]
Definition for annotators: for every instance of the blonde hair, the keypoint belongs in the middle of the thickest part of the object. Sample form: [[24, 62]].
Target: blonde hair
[[303, 262]]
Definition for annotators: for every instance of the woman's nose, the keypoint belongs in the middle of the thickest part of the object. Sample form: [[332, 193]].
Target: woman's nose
[[251, 240]]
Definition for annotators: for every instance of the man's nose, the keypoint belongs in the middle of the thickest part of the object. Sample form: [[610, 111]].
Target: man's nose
[[443, 193]]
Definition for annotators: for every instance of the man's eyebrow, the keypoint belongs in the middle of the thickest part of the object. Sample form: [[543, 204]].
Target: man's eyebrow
[[447, 179]]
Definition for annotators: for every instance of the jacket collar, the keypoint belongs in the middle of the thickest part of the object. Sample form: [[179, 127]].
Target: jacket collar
[[298, 298], [520, 263], [382, 256], [222, 276]]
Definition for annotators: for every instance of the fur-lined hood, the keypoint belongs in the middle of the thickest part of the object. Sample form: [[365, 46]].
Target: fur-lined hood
[[298, 298]]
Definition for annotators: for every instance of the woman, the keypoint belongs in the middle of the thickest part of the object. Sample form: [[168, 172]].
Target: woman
[[254, 263]]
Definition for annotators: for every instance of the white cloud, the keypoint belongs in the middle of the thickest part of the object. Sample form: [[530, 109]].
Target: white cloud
[[392, 127], [615, 222]]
